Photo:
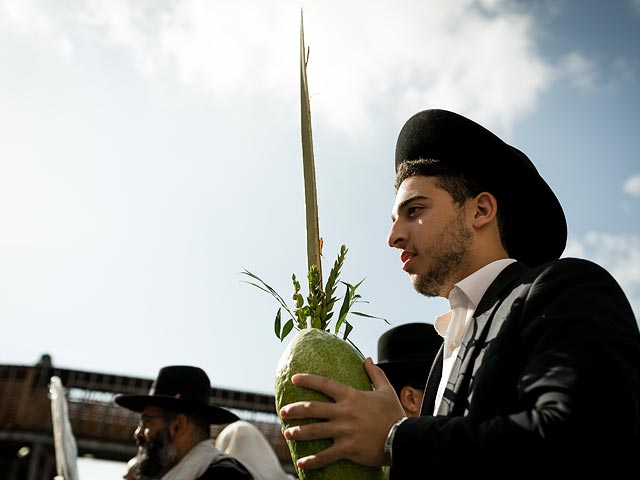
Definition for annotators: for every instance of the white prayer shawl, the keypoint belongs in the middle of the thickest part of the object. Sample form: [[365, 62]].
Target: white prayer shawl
[[244, 441], [194, 463]]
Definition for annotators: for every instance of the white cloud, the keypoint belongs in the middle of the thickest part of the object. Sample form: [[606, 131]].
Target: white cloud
[[26, 16], [632, 186], [579, 71], [30, 17], [478, 58], [574, 249], [431, 54], [129, 24], [220, 48], [619, 254]]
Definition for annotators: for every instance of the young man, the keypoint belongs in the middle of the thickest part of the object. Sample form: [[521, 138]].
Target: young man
[[540, 370], [173, 436], [405, 355]]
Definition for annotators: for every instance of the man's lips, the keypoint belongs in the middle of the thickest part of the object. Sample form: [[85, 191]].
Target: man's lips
[[405, 258]]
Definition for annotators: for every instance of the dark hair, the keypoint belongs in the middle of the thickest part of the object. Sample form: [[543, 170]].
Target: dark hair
[[399, 381], [200, 423], [461, 187]]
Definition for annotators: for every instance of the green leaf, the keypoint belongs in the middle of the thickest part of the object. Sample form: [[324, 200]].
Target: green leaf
[[360, 314], [308, 162], [287, 328], [347, 330], [344, 310], [262, 285], [265, 287], [277, 323]]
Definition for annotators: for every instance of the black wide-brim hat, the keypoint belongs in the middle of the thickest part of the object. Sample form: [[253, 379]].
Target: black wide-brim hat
[[535, 222], [183, 389], [406, 352]]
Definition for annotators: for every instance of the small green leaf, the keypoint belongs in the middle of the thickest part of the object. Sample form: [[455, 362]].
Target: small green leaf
[[287, 328], [277, 323], [347, 330], [360, 314], [265, 287], [344, 310]]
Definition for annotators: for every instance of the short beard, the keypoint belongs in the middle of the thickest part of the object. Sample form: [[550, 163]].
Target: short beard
[[156, 456], [450, 254]]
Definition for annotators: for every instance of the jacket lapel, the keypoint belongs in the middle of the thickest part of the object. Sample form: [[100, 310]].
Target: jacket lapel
[[483, 329], [429, 397]]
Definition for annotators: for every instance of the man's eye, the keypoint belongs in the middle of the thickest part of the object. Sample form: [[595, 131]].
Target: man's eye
[[411, 211]]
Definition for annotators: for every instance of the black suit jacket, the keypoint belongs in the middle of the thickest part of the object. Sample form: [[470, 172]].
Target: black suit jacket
[[227, 468], [546, 382]]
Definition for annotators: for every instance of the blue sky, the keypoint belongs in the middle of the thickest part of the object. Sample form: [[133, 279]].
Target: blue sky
[[151, 152]]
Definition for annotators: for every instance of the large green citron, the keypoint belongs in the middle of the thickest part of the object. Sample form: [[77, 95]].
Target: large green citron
[[313, 350]]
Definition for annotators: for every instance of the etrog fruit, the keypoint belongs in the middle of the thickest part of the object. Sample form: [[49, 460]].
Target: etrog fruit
[[313, 350]]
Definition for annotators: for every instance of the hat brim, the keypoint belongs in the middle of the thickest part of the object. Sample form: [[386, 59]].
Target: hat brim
[[417, 367], [213, 414], [536, 224], [407, 373]]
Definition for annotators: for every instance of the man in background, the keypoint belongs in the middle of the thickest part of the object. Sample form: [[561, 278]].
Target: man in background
[[405, 354], [174, 435]]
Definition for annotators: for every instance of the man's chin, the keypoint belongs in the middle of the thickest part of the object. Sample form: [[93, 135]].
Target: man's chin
[[417, 284], [424, 287]]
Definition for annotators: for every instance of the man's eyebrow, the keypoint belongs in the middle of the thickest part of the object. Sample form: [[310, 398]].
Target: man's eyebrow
[[407, 201]]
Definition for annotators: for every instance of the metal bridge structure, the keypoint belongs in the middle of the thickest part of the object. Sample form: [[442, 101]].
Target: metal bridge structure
[[102, 429]]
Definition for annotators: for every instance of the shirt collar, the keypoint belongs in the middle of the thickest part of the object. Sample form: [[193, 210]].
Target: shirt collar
[[468, 292], [475, 285]]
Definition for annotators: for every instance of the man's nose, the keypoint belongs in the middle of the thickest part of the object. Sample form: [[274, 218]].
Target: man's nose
[[395, 239], [138, 435]]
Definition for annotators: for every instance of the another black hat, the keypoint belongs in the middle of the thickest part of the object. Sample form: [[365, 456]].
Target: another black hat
[[535, 222], [406, 352], [180, 388]]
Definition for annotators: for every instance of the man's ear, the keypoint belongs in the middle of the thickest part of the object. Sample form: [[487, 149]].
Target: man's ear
[[485, 209], [178, 425], [411, 400]]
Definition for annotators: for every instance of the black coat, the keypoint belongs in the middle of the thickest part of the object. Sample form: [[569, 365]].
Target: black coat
[[226, 469], [547, 381]]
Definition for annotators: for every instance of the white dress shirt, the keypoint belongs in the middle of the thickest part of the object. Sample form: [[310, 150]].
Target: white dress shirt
[[463, 300]]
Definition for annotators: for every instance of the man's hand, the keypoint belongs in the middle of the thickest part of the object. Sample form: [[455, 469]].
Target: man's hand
[[358, 421]]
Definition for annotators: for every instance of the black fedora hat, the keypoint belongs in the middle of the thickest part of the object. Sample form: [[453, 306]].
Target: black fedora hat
[[536, 228], [181, 388], [406, 352]]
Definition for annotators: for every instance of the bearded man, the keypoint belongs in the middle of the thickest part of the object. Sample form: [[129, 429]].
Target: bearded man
[[173, 436]]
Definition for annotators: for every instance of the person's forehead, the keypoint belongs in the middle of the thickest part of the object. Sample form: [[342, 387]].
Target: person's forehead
[[152, 410], [417, 187], [418, 182]]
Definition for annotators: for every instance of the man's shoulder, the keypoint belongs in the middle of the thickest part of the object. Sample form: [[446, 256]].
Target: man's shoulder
[[570, 269], [575, 284], [226, 468]]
